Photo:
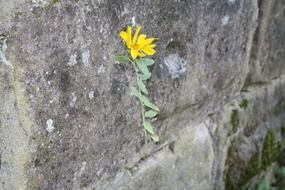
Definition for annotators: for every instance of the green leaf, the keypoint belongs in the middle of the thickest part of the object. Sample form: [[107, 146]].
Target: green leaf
[[144, 77], [263, 185], [148, 127], [150, 114], [144, 99], [135, 92], [122, 59], [280, 172], [146, 61], [143, 67], [155, 137], [141, 86], [148, 103]]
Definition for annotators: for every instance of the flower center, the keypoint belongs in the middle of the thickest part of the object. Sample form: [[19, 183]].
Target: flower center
[[135, 47]]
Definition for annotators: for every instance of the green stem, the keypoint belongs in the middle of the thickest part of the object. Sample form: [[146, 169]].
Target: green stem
[[142, 106]]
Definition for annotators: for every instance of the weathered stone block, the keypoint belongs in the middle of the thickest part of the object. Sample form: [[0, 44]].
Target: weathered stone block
[[268, 50], [251, 142], [185, 165], [86, 125], [68, 121]]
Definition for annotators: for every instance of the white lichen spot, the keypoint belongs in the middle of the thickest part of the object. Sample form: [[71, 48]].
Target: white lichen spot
[[73, 99], [225, 20], [85, 57], [72, 60], [175, 65], [91, 95], [50, 127], [133, 21], [232, 1], [66, 116], [39, 3], [3, 47], [101, 69]]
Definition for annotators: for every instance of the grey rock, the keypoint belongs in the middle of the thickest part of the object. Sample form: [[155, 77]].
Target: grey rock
[[188, 164], [237, 145], [68, 120], [268, 51]]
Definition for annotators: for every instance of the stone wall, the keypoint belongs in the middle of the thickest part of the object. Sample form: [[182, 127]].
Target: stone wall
[[67, 120]]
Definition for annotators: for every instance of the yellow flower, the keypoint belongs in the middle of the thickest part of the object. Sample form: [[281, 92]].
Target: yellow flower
[[139, 45]]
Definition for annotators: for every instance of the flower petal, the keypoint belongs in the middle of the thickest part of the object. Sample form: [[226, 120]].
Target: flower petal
[[124, 35], [147, 41], [141, 54], [129, 36], [134, 53], [148, 50], [141, 38], [136, 34], [152, 46]]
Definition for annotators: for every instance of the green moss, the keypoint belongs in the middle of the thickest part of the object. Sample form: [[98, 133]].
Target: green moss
[[244, 104], [232, 148], [258, 162], [235, 120], [230, 181], [248, 171], [252, 169], [271, 149]]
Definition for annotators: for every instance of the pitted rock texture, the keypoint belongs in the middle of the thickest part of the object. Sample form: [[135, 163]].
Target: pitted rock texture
[[268, 52], [81, 127]]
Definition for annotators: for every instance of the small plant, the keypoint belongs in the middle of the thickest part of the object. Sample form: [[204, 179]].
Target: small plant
[[280, 172], [263, 185], [235, 120], [279, 184], [140, 47], [244, 104]]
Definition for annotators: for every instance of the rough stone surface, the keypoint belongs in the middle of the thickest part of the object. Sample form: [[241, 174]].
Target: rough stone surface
[[268, 52], [13, 135], [240, 133], [172, 168], [67, 120]]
